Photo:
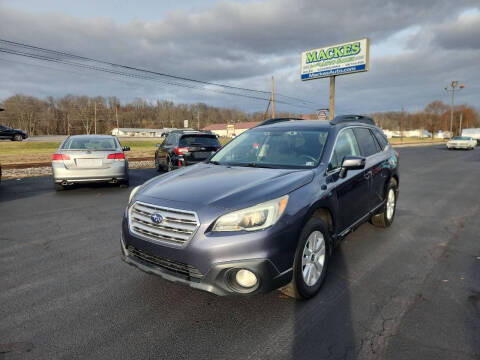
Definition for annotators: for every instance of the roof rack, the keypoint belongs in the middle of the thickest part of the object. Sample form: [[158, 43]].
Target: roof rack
[[277, 120], [352, 118]]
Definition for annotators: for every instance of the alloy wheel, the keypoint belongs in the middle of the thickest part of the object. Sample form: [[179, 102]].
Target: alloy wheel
[[390, 204], [313, 258]]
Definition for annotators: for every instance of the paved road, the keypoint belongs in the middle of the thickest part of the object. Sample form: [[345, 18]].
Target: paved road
[[409, 292]]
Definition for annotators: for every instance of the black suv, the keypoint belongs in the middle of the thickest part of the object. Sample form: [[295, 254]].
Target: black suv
[[12, 134], [266, 210], [185, 147]]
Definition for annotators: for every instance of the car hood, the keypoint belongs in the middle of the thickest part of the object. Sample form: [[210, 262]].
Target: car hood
[[229, 187]]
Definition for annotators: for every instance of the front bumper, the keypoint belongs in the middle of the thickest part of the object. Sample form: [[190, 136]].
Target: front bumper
[[219, 279], [459, 146]]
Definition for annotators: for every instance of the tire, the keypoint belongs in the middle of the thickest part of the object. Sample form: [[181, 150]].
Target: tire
[[59, 187], [157, 164], [385, 218], [306, 283], [17, 137], [169, 165], [125, 183]]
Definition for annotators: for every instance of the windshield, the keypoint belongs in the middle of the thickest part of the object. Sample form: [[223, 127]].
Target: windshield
[[202, 140], [462, 138], [274, 148], [89, 143]]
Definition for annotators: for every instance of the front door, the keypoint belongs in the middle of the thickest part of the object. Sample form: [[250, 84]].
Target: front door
[[4, 132], [353, 191]]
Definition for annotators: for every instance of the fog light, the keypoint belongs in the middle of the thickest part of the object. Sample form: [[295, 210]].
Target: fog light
[[246, 278]]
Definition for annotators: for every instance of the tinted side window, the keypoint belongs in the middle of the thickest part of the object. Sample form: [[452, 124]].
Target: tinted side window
[[346, 146], [366, 141], [169, 139], [381, 138]]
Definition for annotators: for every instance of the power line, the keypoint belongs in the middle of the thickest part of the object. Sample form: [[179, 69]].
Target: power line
[[43, 54]]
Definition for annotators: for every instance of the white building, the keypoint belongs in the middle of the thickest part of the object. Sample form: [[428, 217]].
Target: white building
[[230, 130], [140, 132], [418, 133]]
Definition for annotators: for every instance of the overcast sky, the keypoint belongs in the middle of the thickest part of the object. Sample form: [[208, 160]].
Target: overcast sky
[[417, 48]]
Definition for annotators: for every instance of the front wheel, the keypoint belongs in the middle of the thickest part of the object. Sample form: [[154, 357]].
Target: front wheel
[[385, 218], [311, 260], [17, 137], [157, 164]]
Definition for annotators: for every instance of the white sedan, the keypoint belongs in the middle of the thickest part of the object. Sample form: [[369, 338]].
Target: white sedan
[[462, 142]]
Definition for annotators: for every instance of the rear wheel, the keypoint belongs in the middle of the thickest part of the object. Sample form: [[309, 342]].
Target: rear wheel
[[17, 137], [385, 218], [125, 183], [169, 165], [59, 187], [311, 260]]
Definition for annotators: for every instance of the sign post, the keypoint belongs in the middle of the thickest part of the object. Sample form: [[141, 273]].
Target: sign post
[[330, 61], [332, 97]]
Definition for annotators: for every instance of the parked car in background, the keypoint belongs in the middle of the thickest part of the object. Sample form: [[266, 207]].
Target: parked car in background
[[266, 210], [185, 147], [12, 134], [474, 133], [90, 158], [461, 142]]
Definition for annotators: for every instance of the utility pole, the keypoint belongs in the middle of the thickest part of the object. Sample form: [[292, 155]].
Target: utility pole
[[198, 119], [451, 89], [401, 127], [68, 125], [266, 111], [95, 117], [273, 101], [461, 118], [332, 97], [116, 116]]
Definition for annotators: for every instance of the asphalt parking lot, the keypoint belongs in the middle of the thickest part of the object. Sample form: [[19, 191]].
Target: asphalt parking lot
[[408, 292]]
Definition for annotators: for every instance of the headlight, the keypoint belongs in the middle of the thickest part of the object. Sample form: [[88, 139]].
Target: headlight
[[257, 217], [132, 193]]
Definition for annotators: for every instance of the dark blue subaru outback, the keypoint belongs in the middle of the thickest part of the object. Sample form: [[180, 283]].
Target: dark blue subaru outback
[[267, 210]]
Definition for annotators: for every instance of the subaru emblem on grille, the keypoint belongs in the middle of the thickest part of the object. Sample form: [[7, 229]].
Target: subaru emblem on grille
[[157, 218]]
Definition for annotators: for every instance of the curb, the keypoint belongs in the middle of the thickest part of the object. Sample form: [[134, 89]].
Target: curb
[[418, 144]]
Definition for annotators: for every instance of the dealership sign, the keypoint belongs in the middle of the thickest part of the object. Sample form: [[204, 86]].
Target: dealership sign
[[335, 60]]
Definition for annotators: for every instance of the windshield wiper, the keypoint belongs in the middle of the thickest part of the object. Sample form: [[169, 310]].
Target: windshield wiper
[[259, 165]]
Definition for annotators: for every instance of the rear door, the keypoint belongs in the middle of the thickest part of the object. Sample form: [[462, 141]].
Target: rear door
[[165, 148], [199, 146], [375, 166]]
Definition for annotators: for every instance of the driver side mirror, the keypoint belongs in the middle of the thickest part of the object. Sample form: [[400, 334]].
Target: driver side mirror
[[126, 148], [351, 163]]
